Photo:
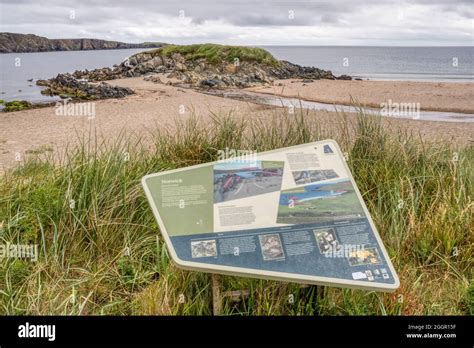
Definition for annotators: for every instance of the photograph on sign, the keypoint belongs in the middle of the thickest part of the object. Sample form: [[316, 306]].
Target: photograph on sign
[[292, 214]]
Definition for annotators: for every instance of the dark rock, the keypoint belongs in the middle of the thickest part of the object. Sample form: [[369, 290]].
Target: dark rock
[[42, 82], [344, 77], [210, 83], [66, 85]]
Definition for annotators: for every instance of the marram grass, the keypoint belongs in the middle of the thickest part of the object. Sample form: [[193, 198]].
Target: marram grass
[[100, 251], [216, 54]]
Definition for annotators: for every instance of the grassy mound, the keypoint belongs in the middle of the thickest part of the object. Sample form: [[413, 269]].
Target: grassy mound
[[100, 250], [216, 54]]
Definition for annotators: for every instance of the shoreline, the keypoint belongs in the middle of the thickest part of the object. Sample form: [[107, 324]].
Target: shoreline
[[308, 91], [430, 95], [157, 106]]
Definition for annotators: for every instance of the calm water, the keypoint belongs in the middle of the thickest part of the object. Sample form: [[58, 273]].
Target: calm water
[[267, 99], [14, 77], [389, 63], [452, 64]]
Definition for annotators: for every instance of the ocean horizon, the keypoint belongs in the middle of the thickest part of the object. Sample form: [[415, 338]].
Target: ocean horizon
[[427, 63], [436, 64]]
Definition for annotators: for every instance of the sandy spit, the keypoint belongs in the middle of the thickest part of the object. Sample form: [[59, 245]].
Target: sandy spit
[[433, 96]]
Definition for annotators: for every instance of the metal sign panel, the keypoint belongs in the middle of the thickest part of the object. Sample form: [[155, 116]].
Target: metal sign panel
[[292, 214]]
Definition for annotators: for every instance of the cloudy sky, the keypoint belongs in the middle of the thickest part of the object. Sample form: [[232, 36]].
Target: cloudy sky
[[260, 22]]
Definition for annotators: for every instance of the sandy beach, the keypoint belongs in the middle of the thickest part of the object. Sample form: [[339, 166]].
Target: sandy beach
[[159, 105], [432, 96]]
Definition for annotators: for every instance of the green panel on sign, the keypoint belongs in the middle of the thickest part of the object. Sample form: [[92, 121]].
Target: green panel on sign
[[186, 200]]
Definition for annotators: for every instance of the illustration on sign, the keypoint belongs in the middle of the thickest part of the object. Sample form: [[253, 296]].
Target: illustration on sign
[[292, 214]]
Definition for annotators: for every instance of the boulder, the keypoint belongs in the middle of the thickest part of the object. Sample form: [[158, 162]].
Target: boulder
[[180, 66], [154, 79], [210, 83], [344, 77], [66, 85]]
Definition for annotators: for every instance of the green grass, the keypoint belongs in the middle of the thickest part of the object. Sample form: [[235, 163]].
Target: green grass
[[40, 150], [216, 54], [15, 105], [104, 254]]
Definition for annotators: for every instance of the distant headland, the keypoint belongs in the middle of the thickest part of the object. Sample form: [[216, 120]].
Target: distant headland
[[26, 43]]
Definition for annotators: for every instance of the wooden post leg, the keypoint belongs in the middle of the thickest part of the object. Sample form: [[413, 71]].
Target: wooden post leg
[[216, 294], [315, 299], [318, 297]]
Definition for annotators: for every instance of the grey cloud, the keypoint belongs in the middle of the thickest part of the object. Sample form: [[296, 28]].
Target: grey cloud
[[329, 18], [140, 20]]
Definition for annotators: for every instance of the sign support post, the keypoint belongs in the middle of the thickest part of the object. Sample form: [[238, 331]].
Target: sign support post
[[216, 282], [218, 295]]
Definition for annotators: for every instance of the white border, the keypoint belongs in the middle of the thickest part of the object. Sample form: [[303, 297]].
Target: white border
[[264, 274]]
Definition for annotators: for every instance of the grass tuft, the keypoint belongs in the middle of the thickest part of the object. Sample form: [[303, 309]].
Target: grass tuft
[[15, 105]]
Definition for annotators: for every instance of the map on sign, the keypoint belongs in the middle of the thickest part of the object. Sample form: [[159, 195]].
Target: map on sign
[[292, 214]]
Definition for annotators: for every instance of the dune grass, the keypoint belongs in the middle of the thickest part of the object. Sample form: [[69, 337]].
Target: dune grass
[[100, 250], [216, 54]]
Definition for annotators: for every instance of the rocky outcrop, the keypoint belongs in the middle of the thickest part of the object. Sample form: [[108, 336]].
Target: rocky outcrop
[[201, 73], [23, 43], [67, 86], [176, 68]]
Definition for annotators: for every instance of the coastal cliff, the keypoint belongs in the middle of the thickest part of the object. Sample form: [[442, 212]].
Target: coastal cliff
[[25, 43]]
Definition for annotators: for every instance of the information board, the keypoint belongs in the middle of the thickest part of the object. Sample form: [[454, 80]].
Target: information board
[[292, 214]]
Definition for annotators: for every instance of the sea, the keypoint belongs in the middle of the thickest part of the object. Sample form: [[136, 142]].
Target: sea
[[441, 64]]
